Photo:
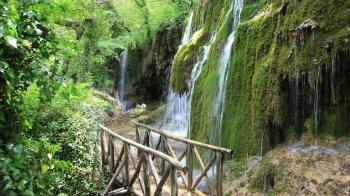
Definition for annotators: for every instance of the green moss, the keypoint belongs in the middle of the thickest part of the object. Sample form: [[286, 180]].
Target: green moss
[[237, 167], [184, 60], [267, 176], [205, 87], [152, 117], [266, 50], [249, 10]]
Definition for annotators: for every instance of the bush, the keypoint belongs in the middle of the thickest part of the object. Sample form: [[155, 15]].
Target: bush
[[31, 166], [60, 147]]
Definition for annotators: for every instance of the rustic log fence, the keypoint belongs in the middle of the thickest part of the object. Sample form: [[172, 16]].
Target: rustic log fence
[[155, 156], [216, 159]]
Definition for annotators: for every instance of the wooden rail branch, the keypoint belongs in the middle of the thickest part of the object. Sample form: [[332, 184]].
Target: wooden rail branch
[[146, 149], [113, 179], [184, 140], [201, 163], [203, 173]]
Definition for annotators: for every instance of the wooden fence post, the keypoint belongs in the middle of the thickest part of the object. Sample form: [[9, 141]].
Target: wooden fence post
[[102, 151], [174, 191], [126, 163], [145, 176], [111, 153], [138, 139], [162, 149], [219, 173], [190, 167]]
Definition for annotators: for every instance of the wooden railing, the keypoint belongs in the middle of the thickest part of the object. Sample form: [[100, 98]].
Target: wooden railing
[[217, 157], [156, 156], [116, 163]]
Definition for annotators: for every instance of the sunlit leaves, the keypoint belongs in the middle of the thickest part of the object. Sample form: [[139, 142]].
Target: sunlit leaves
[[26, 42], [11, 41]]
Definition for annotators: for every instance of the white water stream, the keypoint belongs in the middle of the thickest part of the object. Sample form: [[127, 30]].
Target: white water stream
[[123, 67], [177, 114], [187, 35], [219, 99]]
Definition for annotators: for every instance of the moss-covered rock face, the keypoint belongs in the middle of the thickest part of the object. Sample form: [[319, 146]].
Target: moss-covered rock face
[[148, 68], [184, 60], [289, 73]]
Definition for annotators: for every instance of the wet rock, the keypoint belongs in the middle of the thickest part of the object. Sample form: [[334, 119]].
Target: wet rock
[[138, 110], [299, 170]]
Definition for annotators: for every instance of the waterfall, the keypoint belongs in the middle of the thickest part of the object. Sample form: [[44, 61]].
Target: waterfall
[[316, 100], [187, 33], [197, 70], [177, 114], [175, 118], [332, 78], [123, 66], [219, 99], [296, 96]]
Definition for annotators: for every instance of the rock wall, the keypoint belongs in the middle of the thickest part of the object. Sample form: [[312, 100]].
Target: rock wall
[[148, 67], [289, 74]]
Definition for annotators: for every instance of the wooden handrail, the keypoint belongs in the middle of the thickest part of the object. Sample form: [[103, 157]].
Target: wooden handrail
[[184, 140], [146, 149]]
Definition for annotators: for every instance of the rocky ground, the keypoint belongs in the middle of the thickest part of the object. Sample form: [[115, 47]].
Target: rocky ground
[[294, 169]]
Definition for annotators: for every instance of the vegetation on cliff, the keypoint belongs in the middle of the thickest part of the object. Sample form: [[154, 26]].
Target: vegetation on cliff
[[280, 48]]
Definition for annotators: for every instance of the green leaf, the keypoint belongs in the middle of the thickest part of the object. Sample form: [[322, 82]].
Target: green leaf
[[73, 90], [12, 41], [8, 186], [1, 31], [28, 193], [3, 66], [21, 185], [11, 25], [10, 73]]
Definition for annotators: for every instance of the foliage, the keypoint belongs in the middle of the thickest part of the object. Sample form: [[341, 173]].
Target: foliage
[[141, 19], [48, 117], [100, 36], [73, 118], [29, 166], [63, 159], [26, 45]]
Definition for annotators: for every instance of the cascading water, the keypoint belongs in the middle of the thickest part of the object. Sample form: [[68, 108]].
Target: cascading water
[[295, 96], [219, 99], [175, 118], [332, 78], [176, 114], [197, 70], [316, 100], [187, 34], [123, 66]]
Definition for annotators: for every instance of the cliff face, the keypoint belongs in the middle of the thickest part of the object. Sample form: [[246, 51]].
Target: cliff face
[[157, 61], [148, 68], [288, 77]]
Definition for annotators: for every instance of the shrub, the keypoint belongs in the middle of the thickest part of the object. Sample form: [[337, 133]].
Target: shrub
[[59, 154]]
